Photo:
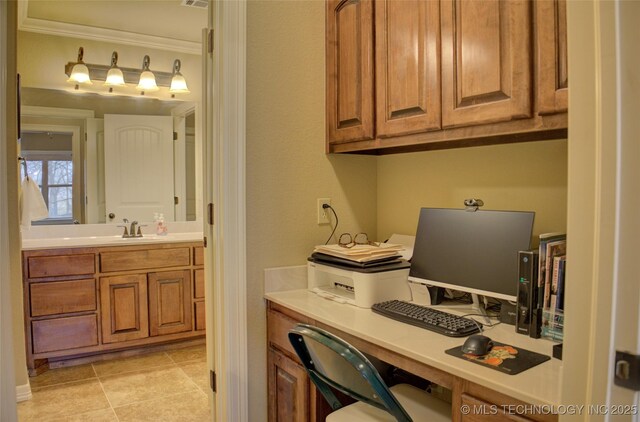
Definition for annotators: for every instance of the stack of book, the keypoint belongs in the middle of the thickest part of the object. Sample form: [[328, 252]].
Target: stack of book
[[359, 255], [551, 284]]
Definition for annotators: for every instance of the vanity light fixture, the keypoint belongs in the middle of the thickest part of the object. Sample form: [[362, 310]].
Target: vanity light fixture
[[178, 83], [147, 80], [113, 75], [79, 73]]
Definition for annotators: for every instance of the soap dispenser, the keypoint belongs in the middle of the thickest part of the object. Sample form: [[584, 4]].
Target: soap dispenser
[[161, 227], [158, 223]]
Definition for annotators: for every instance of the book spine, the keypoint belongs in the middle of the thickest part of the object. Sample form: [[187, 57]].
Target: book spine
[[553, 302], [561, 277]]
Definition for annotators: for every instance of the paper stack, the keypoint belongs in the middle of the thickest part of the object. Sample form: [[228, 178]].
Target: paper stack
[[362, 253]]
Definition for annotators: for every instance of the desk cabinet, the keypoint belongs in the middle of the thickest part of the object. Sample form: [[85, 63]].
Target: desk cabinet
[[288, 388], [415, 75], [292, 396]]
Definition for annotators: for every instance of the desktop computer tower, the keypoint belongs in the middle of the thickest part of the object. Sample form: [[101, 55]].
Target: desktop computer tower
[[527, 293]]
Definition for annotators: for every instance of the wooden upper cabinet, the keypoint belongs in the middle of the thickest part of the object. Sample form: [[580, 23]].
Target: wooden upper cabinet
[[486, 61], [407, 35], [350, 76], [551, 34]]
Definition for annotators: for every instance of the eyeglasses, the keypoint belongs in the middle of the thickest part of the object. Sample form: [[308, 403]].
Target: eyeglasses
[[346, 240]]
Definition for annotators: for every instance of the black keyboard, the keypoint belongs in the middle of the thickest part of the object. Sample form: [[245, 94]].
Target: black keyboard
[[428, 318]]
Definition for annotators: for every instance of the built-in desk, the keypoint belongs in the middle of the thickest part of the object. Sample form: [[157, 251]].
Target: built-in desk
[[490, 393]]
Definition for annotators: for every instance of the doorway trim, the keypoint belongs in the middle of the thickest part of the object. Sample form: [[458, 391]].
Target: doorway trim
[[7, 370], [225, 165]]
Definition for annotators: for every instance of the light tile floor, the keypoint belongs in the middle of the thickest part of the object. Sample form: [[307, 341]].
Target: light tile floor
[[164, 386]]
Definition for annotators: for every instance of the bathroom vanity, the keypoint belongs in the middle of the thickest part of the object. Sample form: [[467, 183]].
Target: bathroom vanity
[[110, 296]]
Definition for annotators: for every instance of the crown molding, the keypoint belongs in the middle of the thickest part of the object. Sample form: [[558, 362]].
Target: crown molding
[[64, 29]]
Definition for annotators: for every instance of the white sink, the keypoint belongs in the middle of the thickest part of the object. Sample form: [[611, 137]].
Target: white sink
[[68, 242]]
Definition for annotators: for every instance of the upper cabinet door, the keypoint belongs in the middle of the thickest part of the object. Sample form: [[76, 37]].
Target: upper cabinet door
[[486, 61], [553, 80], [349, 70], [407, 66]]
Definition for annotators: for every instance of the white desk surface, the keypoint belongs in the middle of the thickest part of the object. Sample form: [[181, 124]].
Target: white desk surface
[[539, 385]]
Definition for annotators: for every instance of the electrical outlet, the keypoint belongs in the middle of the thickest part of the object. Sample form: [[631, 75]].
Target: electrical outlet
[[323, 213]]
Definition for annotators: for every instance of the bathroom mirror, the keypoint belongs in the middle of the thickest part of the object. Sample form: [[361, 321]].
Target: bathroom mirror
[[102, 158]]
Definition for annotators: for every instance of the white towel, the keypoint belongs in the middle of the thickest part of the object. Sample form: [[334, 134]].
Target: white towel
[[32, 205]]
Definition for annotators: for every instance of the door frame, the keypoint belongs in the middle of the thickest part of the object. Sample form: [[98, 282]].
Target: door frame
[[8, 406], [594, 206], [224, 150]]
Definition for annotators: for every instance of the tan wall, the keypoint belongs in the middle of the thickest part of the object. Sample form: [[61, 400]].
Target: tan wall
[[526, 177], [41, 61], [287, 169]]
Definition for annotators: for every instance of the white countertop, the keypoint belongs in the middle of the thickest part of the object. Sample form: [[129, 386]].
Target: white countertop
[[117, 240], [539, 385], [91, 235]]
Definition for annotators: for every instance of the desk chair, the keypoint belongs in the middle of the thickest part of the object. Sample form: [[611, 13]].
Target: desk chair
[[332, 362]]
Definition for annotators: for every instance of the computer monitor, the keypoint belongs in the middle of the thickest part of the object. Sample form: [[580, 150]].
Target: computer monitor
[[471, 251]]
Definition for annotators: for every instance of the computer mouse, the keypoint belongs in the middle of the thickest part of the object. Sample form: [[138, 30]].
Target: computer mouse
[[477, 345]]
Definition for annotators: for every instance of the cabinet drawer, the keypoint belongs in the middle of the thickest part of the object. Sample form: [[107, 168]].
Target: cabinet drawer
[[198, 255], [61, 265], [141, 259], [61, 297], [198, 284], [64, 333], [278, 326]]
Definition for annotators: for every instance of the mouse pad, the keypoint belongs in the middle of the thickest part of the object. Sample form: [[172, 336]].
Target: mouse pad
[[504, 358]]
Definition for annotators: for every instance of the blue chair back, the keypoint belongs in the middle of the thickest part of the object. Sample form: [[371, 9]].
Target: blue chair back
[[332, 362]]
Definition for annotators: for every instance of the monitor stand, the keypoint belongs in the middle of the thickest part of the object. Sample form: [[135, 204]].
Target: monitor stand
[[480, 308]]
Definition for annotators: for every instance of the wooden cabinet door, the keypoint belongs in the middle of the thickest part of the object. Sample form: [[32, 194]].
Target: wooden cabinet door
[[407, 35], [169, 302], [553, 80], [486, 61], [350, 76], [124, 311], [288, 389]]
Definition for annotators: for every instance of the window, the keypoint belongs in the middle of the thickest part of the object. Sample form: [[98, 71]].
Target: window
[[53, 172]]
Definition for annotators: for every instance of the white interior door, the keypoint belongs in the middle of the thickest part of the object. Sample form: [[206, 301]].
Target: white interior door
[[95, 209], [138, 154], [626, 305]]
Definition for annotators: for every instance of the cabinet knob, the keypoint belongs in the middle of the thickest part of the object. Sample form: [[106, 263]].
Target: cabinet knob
[[112, 216]]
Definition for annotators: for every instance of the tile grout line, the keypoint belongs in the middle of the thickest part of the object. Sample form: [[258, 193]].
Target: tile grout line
[[192, 381], [105, 393], [151, 370]]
